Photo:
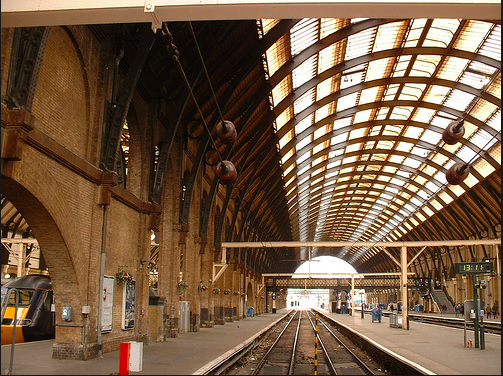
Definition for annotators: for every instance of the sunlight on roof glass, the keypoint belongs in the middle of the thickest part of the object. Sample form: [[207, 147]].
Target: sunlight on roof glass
[[325, 267]]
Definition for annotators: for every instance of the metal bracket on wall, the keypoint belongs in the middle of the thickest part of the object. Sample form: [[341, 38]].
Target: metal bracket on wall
[[150, 8], [218, 273]]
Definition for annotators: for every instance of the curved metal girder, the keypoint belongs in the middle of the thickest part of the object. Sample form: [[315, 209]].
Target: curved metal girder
[[26, 60], [112, 138]]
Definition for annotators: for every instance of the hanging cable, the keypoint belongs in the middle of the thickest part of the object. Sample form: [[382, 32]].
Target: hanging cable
[[173, 50], [228, 134], [225, 170]]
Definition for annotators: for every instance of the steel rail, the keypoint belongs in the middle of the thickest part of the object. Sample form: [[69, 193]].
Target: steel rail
[[329, 363], [268, 352], [294, 347], [363, 366]]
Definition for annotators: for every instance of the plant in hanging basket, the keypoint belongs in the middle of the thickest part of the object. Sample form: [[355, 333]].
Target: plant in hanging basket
[[227, 291], [182, 285], [202, 287], [123, 277], [216, 291]]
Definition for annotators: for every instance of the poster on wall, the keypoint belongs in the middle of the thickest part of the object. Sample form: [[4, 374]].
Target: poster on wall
[[108, 304], [128, 305]]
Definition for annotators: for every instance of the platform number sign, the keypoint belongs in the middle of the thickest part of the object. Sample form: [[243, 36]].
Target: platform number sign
[[474, 267]]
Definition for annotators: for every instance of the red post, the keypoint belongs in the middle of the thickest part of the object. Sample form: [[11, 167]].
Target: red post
[[124, 358]]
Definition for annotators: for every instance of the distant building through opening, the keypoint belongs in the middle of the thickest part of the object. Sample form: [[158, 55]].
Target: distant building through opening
[[321, 267]]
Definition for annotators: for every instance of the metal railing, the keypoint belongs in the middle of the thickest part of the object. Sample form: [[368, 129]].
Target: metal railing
[[5, 303]]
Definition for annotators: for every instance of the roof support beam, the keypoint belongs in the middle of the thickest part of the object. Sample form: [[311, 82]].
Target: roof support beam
[[433, 243], [57, 12]]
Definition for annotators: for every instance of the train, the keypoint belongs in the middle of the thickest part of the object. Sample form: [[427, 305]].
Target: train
[[35, 316]]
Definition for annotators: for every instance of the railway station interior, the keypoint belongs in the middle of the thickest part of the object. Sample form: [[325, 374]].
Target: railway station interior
[[180, 165]]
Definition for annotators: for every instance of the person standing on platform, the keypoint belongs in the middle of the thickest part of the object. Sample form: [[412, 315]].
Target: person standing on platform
[[457, 308], [488, 312]]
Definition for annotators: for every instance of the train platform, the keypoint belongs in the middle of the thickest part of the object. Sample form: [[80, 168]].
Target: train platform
[[437, 350], [434, 349]]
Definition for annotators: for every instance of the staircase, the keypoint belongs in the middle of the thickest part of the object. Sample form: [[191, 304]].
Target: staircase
[[440, 298]]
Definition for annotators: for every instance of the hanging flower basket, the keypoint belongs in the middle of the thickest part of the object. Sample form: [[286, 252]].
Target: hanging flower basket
[[227, 291], [202, 287], [182, 285], [123, 277], [216, 291]]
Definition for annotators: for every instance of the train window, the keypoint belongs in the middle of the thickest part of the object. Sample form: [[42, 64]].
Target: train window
[[25, 297], [48, 301]]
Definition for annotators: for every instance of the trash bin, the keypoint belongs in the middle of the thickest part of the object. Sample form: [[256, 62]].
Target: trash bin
[[249, 311], [376, 314]]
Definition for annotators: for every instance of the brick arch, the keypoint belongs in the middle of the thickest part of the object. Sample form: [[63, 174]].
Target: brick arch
[[52, 246], [61, 103]]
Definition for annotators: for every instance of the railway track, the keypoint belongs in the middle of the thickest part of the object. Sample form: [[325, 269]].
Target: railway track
[[302, 344], [309, 342], [454, 322]]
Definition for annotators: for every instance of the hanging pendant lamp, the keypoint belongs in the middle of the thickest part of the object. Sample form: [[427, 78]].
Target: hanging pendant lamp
[[226, 172], [226, 132], [454, 132], [457, 173]]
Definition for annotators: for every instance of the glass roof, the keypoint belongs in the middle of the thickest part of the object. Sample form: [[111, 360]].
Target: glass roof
[[360, 114]]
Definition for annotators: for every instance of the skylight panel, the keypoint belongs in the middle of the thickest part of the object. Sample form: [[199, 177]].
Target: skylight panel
[[382, 113], [401, 113], [476, 80], [281, 90], [423, 114], [419, 151], [402, 65], [332, 165], [301, 144], [466, 154], [369, 95], [302, 125], [436, 94], [327, 57], [321, 131], [425, 65], [346, 102], [415, 32], [341, 123], [303, 35], [303, 157], [413, 132], [483, 168], [481, 139], [321, 147], [431, 186], [459, 100], [363, 116], [304, 72], [284, 118], [472, 36], [277, 55], [495, 121], [350, 79], [431, 137], [286, 139], [483, 110], [412, 91], [452, 68], [359, 44], [378, 69], [287, 156], [492, 45], [387, 36], [458, 190], [441, 32]]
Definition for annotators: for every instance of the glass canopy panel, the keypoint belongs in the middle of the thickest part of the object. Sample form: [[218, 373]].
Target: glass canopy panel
[[384, 127]]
